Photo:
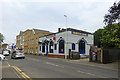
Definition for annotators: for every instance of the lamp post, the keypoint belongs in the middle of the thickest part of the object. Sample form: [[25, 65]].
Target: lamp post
[[66, 20], [66, 37]]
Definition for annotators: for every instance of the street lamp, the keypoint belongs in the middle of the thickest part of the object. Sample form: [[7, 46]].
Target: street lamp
[[66, 37], [66, 20]]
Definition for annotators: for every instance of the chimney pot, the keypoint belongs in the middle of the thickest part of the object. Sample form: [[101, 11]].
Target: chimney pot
[[58, 29]]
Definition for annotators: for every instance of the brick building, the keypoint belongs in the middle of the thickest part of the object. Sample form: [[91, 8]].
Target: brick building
[[20, 40], [28, 40]]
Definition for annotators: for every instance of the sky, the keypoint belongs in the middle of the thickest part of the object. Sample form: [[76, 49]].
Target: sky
[[20, 15]]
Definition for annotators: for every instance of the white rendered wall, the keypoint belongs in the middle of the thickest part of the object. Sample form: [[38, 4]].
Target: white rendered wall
[[69, 38]]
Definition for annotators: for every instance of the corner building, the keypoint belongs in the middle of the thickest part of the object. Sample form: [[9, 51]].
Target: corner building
[[59, 44]]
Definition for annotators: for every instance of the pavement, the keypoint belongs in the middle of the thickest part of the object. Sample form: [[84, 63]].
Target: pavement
[[34, 66]]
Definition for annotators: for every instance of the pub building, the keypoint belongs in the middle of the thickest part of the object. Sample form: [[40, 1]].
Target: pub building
[[61, 43]]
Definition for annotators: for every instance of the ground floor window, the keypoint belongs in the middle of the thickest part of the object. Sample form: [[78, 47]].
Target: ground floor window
[[40, 48], [36, 50], [81, 47], [73, 46], [51, 47], [55, 46], [43, 47], [61, 46], [32, 50]]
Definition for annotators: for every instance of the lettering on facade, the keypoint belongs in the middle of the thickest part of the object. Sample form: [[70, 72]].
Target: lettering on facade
[[79, 33]]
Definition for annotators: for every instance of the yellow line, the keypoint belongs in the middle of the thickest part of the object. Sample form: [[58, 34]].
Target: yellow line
[[22, 73], [16, 69], [24, 77]]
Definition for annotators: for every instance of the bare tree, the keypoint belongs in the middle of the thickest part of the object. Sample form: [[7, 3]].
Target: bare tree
[[113, 15]]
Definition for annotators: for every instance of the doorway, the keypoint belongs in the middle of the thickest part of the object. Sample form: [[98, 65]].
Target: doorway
[[81, 47], [61, 46]]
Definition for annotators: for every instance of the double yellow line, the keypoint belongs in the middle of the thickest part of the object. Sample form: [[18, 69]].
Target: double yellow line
[[21, 73]]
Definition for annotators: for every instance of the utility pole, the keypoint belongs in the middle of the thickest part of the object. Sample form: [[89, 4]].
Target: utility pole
[[66, 37]]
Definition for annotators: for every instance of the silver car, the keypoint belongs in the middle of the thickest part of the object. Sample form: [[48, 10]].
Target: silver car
[[17, 54]]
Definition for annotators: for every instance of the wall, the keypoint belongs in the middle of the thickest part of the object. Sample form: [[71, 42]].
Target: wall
[[111, 54]]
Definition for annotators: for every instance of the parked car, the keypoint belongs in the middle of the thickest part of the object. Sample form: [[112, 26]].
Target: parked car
[[2, 57], [6, 53], [17, 54]]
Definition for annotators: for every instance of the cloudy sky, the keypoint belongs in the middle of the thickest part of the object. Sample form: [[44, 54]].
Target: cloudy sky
[[19, 15]]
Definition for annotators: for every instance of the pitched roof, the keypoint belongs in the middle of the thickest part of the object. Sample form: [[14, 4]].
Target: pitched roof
[[38, 30], [71, 29]]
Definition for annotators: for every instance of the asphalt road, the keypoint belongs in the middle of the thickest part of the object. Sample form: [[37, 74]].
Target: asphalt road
[[45, 67]]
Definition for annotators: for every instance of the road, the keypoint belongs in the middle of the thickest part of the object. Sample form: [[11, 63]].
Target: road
[[45, 67]]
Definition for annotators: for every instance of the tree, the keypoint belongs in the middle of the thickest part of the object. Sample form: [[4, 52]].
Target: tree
[[1, 37], [111, 33], [108, 38], [97, 37], [113, 15], [111, 38]]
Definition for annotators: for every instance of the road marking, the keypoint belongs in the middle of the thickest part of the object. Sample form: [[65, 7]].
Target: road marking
[[22, 73], [91, 74], [8, 64], [94, 66], [54, 65], [81, 71], [17, 74], [87, 73]]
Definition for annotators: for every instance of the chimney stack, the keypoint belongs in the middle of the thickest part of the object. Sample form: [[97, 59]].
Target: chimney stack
[[58, 29]]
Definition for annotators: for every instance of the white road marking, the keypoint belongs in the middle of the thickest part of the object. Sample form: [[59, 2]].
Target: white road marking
[[54, 65], [86, 73], [91, 74], [8, 64], [81, 71]]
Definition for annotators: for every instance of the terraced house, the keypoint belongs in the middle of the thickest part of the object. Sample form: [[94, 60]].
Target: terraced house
[[28, 40]]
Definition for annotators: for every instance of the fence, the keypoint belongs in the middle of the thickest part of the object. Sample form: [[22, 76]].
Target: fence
[[104, 55]]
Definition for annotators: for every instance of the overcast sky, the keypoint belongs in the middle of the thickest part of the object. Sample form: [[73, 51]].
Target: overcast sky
[[20, 15]]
